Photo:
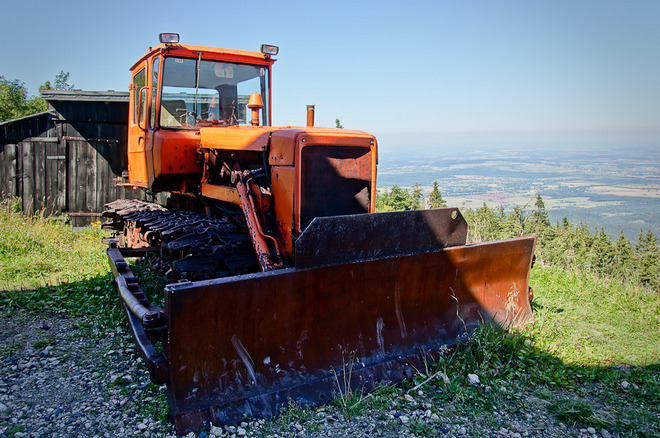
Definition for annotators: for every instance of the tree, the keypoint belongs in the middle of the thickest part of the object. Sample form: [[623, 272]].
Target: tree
[[61, 83], [602, 252], [14, 101], [648, 259], [417, 196], [435, 199], [540, 215], [623, 264], [338, 124]]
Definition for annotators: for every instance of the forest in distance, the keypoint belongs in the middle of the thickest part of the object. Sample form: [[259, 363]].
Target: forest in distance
[[611, 189]]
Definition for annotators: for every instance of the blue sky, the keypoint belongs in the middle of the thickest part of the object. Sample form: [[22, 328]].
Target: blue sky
[[448, 72]]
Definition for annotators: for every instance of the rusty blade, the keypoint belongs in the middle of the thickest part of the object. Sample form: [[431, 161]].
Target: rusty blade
[[244, 345], [341, 239]]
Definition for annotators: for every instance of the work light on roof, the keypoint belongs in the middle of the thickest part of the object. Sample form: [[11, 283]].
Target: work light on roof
[[169, 38], [269, 50]]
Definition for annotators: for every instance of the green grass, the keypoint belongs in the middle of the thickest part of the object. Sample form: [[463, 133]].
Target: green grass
[[39, 252], [48, 268], [587, 320]]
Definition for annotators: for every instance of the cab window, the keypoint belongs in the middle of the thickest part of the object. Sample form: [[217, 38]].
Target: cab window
[[138, 82]]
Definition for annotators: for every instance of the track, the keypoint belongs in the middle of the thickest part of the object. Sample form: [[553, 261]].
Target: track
[[181, 244]]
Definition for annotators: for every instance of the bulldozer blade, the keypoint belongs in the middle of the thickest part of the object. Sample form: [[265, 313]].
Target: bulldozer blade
[[341, 239], [246, 345]]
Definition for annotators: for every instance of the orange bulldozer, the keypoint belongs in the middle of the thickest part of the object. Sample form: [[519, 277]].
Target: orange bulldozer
[[278, 271]]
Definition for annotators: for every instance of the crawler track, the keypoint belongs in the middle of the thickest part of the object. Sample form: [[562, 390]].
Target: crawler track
[[181, 244]]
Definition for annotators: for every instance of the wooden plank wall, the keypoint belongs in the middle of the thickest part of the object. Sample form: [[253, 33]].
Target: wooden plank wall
[[72, 167], [58, 177]]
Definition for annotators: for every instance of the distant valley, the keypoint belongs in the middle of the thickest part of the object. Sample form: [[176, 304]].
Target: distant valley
[[614, 189]]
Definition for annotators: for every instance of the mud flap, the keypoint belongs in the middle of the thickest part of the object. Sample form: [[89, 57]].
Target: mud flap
[[244, 345]]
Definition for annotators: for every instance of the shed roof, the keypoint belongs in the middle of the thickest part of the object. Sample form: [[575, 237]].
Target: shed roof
[[49, 112], [85, 96]]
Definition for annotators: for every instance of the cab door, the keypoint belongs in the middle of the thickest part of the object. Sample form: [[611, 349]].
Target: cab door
[[154, 102], [137, 127]]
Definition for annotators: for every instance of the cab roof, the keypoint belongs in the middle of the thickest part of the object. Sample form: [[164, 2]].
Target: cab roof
[[217, 53]]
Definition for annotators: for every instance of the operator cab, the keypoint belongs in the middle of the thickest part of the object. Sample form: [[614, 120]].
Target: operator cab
[[177, 89]]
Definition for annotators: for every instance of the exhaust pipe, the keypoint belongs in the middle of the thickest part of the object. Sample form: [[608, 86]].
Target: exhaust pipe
[[310, 115]]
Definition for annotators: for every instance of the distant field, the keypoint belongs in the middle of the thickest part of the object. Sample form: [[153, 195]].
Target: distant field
[[614, 189]]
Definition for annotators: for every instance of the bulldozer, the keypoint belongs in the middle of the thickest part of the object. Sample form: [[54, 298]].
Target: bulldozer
[[281, 280]]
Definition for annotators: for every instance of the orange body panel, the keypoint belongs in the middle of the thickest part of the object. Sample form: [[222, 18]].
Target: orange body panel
[[236, 138], [175, 152], [283, 181]]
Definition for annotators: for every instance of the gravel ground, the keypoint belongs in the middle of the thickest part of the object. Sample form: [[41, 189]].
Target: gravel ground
[[60, 379]]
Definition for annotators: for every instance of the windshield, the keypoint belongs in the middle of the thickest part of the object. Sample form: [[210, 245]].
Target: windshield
[[205, 93]]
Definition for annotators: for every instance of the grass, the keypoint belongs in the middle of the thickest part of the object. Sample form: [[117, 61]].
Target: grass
[[591, 358], [586, 320], [37, 252]]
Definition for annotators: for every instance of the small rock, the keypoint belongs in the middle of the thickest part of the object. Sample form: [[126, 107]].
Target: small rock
[[515, 435], [404, 419], [591, 430], [624, 384], [435, 417], [409, 398], [243, 432], [605, 433], [141, 426], [3, 407], [462, 431], [473, 379], [215, 431]]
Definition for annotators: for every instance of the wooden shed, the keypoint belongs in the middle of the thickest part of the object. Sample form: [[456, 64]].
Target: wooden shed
[[67, 160]]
